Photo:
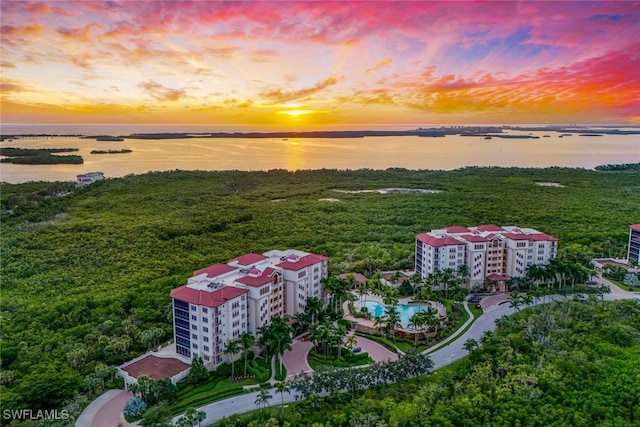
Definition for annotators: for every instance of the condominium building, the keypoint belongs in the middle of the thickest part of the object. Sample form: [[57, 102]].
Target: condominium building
[[633, 253], [491, 253], [221, 302]]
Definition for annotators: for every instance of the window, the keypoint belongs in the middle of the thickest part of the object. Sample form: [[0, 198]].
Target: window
[[205, 329], [194, 317], [206, 357], [194, 336], [194, 308], [302, 274], [205, 310], [205, 339], [194, 327], [206, 348], [205, 319], [194, 345]]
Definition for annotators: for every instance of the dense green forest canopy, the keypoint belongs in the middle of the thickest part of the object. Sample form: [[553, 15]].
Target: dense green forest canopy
[[87, 273]]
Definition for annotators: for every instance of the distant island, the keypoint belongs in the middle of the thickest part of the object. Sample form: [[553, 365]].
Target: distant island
[[481, 131], [124, 150], [104, 138], [39, 156], [432, 132]]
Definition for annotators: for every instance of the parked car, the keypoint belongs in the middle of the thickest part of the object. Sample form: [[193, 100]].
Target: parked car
[[356, 349], [475, 298], [591, 283]]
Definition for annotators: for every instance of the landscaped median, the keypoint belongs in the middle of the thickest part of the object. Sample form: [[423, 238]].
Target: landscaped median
[[319, 362]]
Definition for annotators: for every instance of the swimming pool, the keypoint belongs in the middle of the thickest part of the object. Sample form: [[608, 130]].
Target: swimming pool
[[406, 311]]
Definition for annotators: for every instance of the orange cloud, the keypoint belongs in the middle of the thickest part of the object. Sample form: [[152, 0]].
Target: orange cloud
[[161, 93], [281, 96]]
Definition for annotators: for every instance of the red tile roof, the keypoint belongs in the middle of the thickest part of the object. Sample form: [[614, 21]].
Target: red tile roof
[[207, 298], [543, 236], [534, 237], [356, 276], [489, 227], [438, 241], [249, 259], [303, 262], [514, 236], [155, 367], [255, 281], [493, 277], [215, 270], [635, 227], [457, 229]]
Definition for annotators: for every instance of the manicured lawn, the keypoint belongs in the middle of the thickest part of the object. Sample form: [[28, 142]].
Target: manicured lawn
[[623, 286]]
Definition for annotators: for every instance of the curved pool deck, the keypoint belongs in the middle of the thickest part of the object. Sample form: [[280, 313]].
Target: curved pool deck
[[442, 311]]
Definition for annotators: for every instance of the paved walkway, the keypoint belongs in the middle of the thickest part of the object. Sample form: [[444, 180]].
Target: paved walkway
[[105, 411]]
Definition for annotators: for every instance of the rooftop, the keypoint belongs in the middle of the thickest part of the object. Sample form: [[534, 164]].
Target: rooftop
[[251, 269], [208, 298], [155, 367]]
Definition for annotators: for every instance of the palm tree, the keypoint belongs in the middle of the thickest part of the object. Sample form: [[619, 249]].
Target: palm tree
[[392, 320], [463, 272], [516, 300], [232, 348], [279, 337], [447, 277], [263, 339], [535, 273], [246, 341], [282, 388], [340, 331], [320, 334], [417, 321], [313, 308], [470, 345], [352, 340], [262, 399]]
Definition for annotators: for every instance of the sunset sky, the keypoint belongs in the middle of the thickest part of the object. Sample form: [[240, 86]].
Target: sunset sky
[[320, 63]]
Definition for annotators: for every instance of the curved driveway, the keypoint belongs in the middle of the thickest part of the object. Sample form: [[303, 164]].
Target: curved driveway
[[377, 351], [295, 360]]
